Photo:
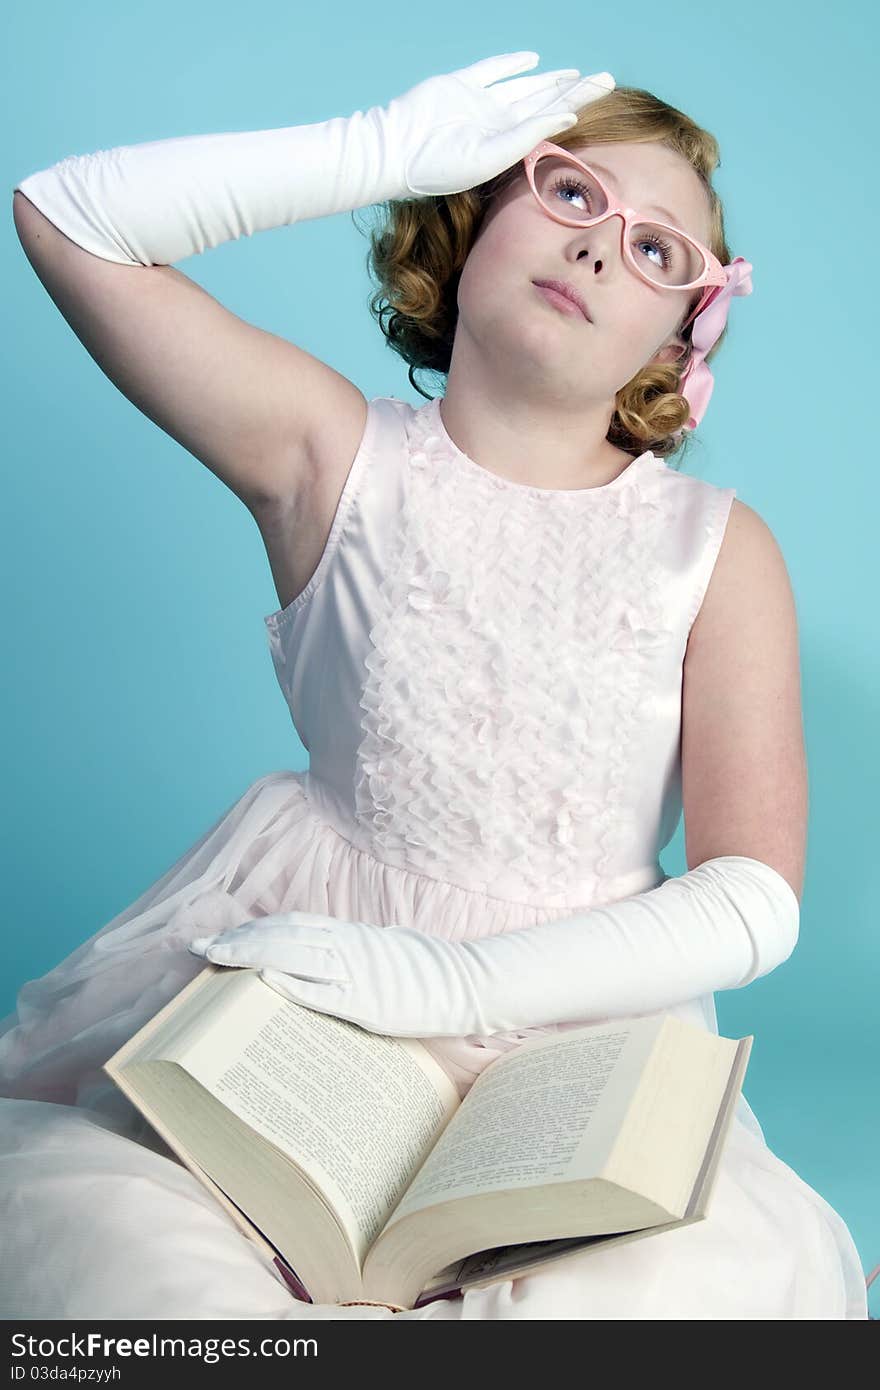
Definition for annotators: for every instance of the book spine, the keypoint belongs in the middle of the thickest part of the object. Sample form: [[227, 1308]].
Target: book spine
[[372, 1303], [302, 1292]]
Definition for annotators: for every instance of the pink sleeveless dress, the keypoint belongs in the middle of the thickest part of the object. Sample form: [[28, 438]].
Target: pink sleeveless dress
[[487, 678]]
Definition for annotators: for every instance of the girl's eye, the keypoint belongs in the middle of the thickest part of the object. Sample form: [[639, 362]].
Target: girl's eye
[[659, 245], [573, 185]]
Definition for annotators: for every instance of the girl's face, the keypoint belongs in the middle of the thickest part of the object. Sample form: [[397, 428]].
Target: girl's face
[[547, 354]]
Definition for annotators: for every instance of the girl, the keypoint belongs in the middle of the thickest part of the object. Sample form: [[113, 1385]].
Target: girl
[[514, 640]]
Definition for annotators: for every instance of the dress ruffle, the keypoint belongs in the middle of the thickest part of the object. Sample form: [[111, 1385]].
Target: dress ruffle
[[511, 673]]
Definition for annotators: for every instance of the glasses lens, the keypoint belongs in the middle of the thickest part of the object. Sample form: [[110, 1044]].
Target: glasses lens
[[568, 191]]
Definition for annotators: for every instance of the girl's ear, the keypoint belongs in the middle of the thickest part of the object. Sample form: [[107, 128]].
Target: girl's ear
[[671, 352]]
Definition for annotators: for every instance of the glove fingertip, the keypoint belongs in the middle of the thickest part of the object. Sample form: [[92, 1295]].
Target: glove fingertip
[[223, 955]]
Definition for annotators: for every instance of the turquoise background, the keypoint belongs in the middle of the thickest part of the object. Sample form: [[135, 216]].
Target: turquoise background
[[140, 702]]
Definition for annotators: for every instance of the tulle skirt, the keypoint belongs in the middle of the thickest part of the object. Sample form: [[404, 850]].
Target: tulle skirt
[[101, 1220]]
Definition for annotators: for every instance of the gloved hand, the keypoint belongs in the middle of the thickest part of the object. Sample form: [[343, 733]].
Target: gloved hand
[[456, 131], [163, 200], [719, 926], [392, 980]]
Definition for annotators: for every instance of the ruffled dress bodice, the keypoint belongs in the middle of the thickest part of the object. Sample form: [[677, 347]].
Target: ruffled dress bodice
[[487, 675]]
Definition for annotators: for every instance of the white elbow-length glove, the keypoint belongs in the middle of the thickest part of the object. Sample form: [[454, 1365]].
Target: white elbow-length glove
[[163, 200], [719, 926]]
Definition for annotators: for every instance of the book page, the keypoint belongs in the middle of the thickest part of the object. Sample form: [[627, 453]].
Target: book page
[[358, 1112], [547, 1112]]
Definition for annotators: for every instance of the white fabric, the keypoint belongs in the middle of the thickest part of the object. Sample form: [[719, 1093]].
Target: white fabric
[[488, 679], [160, 201], [96, 1226]]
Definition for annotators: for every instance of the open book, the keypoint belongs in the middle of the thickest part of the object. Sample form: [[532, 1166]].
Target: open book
[[351, 1161]]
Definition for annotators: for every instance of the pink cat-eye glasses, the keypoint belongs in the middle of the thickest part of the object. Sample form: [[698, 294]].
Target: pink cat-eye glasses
[[685, 265]]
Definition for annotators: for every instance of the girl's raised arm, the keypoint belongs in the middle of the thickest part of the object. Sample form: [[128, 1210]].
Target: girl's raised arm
[[103, 230], [243, 401]]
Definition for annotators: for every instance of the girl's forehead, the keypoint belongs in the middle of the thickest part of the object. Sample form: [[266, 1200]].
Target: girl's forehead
[[614, 150], [637, 162]]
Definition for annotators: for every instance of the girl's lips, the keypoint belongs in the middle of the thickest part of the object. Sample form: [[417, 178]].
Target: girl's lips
[[561, 299]]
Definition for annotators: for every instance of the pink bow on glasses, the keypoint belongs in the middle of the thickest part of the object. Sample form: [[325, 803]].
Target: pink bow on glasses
[[697, 383]]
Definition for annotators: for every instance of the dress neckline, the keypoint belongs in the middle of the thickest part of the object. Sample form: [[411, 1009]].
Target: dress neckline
[[433, 421]]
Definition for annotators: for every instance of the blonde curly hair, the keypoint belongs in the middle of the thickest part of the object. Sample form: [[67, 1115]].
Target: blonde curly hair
[[418, 252]]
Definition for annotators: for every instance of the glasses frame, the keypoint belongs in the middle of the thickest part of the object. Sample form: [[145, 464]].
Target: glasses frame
[[713, 273]]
